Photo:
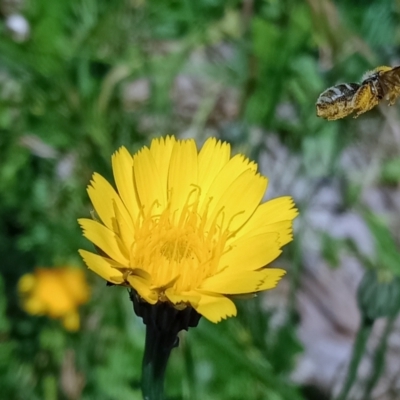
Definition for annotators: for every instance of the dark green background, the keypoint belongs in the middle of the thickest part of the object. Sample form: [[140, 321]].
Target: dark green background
[[64, 111]]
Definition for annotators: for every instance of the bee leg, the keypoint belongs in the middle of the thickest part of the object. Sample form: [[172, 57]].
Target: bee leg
[[364, 100]]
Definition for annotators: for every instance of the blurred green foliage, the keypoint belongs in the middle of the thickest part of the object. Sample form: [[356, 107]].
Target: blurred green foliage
[[65, 108]]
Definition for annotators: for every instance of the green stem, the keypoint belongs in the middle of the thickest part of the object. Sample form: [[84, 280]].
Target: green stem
[[358, 351], [158, 348], [379, 358], [163, 323]]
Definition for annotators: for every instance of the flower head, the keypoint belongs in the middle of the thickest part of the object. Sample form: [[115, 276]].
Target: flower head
[[186, 226], [55, 292]]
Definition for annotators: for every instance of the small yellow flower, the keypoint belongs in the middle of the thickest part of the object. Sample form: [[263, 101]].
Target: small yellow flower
[[186, 226], [55, 292]]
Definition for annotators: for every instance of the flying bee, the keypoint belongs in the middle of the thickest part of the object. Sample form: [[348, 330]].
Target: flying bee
[[341, 100]]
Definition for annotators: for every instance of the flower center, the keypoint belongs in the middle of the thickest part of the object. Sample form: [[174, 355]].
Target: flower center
[[175, 250], [179, 250]]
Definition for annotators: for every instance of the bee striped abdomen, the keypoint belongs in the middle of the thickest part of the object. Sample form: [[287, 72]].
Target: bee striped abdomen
[[337, 101]]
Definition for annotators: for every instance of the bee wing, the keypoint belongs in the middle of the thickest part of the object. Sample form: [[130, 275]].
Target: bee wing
[[391, 78]]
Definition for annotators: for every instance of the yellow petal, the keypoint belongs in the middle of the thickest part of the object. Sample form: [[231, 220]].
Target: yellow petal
[[34, 305], [242, 282], [279, 209], [122, 165], [26, 283], [271, 279], [141, 273], [191, 297], [215, 307], [161, 150], [123, 230], [247, 191], [251, 253], [142, 286], [224, 179], [52, 292], [212, 158], [104, 198], [270, 212], [151, 192], [183, 174], [75, 283], [282, 228], [105, 239], [102, 267]]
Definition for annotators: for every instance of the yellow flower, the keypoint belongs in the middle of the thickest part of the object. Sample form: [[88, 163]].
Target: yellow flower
[[186, 226], [55, 292]]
